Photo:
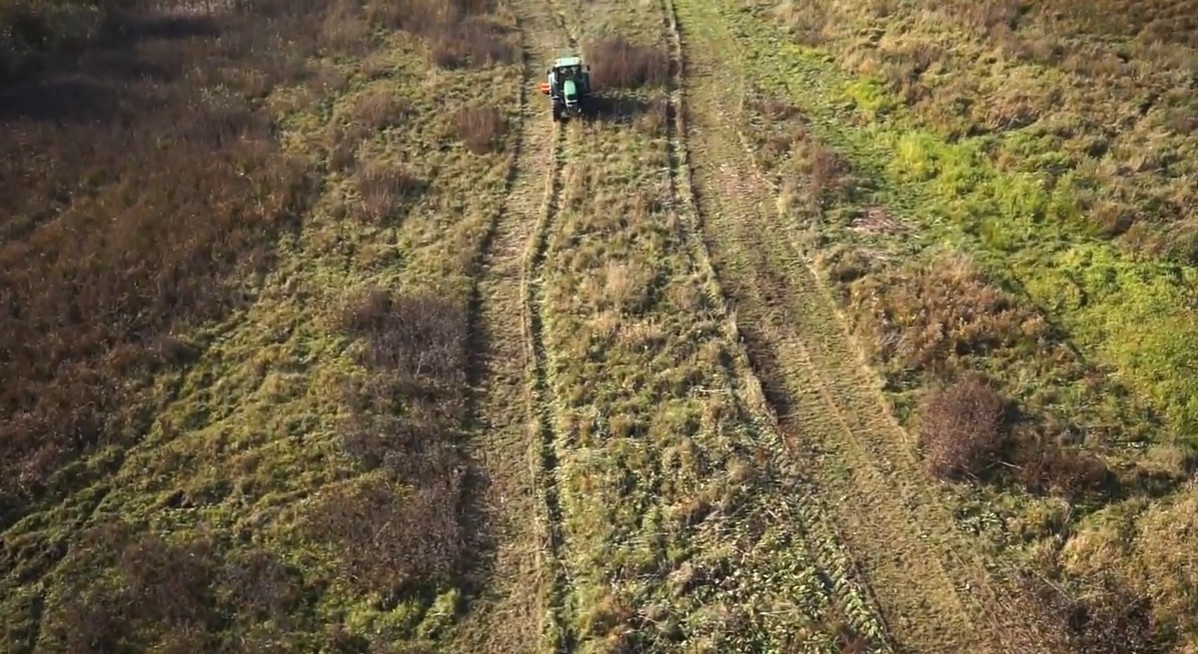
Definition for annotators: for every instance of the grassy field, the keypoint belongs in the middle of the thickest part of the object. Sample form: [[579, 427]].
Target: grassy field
[[236, 329], [840, 328], [960, 242]]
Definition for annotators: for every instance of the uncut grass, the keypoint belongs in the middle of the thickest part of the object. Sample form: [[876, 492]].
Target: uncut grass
[[253, 460], [1025, 210], [898, 221], [683, 524]]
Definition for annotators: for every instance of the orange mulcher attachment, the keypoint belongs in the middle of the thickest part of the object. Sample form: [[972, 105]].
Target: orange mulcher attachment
[[545, 88]]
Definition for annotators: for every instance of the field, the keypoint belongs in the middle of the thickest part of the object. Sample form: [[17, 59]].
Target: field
[[836, 328]]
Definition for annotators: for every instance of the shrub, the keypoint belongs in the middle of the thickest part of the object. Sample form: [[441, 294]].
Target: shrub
[[619, 63], [380, 108], [399, 524], [472, 43], [481, 128], [383, 188], [456, 30], [391, 537], [1042, 464], [1097, 615], [962, 429]]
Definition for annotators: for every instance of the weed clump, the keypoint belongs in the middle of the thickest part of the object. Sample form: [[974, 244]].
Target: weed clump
[[384, 188], [481, 128], [961, 429], [618, 63], [399, 525]]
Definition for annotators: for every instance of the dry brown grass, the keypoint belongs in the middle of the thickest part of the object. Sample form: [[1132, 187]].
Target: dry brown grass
[[481, 128], [129, 194], [940, 321], [143, 189], [1109, 83], [618, 63]]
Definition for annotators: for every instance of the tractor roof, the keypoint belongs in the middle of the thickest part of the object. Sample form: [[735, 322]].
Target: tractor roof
[[561, 62]]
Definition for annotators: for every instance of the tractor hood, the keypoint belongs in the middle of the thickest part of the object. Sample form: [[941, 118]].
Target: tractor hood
[[570, 90]]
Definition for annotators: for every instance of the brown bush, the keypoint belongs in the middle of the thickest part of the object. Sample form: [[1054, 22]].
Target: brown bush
[[384, 188], [379, 109], [471, 43], [618, 63], [457, 31], [481, 128], [962, 429], [1100, 615], [161, 593], [391, 537], [131, 193], [177, 596], [930, 316], [403, 527]]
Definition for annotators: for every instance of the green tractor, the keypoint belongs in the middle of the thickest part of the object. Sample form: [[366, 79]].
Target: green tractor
[[568, 87]]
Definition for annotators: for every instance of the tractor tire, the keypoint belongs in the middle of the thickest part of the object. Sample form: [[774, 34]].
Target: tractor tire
[[557, 113]]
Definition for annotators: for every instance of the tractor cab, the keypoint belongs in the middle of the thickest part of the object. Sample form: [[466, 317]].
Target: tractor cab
[[568, 84]]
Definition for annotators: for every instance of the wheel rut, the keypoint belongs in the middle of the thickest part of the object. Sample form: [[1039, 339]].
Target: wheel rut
[[935, 593], [524, 604], [557, 631], [851, 593]]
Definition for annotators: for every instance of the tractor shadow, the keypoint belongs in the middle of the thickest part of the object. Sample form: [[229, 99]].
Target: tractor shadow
[[617, 108]]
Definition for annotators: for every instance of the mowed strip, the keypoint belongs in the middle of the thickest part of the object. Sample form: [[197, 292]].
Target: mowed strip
[[504, 616], [934, 591]]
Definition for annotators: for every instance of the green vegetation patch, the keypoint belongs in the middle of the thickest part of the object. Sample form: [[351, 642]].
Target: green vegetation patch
[[1023, 226]]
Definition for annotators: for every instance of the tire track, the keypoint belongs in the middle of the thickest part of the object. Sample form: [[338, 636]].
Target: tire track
[[855, 598], [558, 629], [827, 410], [515, 442]]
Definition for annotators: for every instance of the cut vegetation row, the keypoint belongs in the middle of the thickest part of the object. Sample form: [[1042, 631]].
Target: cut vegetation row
[[500, 616], [559, 629], [825, 405]]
